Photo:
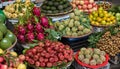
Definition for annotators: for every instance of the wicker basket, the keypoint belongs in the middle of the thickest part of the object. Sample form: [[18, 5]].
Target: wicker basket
[[12, 45], [79, 36], [59, 14]]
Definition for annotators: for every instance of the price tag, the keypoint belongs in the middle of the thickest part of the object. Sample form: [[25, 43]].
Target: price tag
[[5, 3], [0, 5]]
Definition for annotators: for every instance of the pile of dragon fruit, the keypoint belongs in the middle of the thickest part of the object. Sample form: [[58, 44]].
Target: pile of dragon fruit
[[33, 28]]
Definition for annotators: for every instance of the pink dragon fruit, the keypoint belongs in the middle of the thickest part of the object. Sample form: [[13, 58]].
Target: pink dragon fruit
[[44, 21], [30, 36], [36, 11], [40, 36], [30, 27], [39, 28], [21, 30], [21, 38]]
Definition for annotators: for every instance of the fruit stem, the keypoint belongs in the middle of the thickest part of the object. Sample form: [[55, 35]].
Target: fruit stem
[[36, 19]]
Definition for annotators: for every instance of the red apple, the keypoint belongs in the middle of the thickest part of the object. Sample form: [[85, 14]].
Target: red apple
[[86, 2], [1, 59], [79, 7], [90, 6], [3, 67]]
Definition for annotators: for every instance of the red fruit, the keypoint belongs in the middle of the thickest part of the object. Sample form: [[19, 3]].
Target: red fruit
[[30, 36], [21, 38], [36, 11], [61, 57], [29, 53], [79, 7], [21, 30], [21, 57], [40, 36], [51, 60], [10, 68], [40, 49], [65, 61], [41, 44], [31, 61], [26, 58], [47, 44], [44, 21], [49, 64], [49, 49], [47, 55], [42, 64], [59, 62], [41, 59], [1, 59], [69, 58], [34, 51], [3, 67], [46, 60], [90, 6], [56, 59], [30, 27], [86, 2], [36, 57], [38, 54], [84, 6], [39, 28], [37, 64]]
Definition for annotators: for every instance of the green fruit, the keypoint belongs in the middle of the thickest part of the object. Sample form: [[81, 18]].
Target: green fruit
[[77, 23], [72, 21], [77, 12], [61, 27], [60, 7], [68, 33], [74, 29], [72, 15], [74, 34], [10, 36], [66, 22], [80, 33], [50, 3], [56, 3], [67, 29], [3, 28], [80, 27], [77, 18], [86, 30], [71, 24], [5, 43], [84, 20], [1, 35]]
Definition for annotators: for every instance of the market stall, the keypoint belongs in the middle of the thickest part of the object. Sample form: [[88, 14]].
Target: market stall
[[59, 34]]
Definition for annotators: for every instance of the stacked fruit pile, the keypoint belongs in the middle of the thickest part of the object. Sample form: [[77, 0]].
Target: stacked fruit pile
[[91, 56], [7, 38], [77, 25], [33, 28], [10, 60], [85, 5], [49, 54], [56, 6], [17, 9], [102, 18]]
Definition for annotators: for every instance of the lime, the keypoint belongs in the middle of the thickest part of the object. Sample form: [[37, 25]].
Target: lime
[[1, 35], [5, 43], [10, 36], [3, 28]]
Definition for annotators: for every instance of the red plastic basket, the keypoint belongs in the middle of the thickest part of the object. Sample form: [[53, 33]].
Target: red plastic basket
[[91, 66]]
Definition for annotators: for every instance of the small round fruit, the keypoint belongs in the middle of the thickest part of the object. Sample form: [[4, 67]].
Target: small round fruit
[[1, 51], [1, 35], [80, 27], [86, 30], [21, 66], [14, 54], [5, 43]]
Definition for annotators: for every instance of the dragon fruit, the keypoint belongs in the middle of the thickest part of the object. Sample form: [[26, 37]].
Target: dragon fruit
[[44, 21], [30, 27], [40, 36], [30, 36], [21, 30], [21, 38], [39, 28], [36, 11]]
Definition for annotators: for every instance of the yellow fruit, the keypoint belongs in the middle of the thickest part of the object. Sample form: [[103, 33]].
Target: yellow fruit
[[103, 22], [96, 23], [99, 19], [92, 22], [13, 54], [108, 19], [1, 51], [114, 21], [21, 66], [112, 18], [94, 18], [105, 12]]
